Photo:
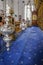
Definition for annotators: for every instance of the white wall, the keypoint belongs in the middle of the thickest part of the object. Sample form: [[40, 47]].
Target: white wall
[[19, 8]]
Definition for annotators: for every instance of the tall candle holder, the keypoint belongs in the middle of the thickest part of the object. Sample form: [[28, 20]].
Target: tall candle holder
[[6, 30]]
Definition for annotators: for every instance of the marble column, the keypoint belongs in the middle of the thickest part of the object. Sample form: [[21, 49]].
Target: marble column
[[16, 9], [4, 6], [1, 5]]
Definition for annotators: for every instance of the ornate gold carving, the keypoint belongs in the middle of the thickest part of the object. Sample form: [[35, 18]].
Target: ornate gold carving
[[34, 17], [40, 16]]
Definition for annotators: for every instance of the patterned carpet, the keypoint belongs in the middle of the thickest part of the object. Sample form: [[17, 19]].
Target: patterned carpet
[[26, 50]]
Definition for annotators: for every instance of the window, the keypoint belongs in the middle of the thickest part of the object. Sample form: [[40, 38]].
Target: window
[[27, 12]]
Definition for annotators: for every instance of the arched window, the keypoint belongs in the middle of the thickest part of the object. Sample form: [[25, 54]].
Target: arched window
[[27, 14], [28, 10]]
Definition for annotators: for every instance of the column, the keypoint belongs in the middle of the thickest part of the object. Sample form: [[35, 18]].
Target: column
[[1, 5], [16, 9]]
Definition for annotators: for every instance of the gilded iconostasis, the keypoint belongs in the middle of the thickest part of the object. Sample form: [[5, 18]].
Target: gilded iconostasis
[[39, 7]]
